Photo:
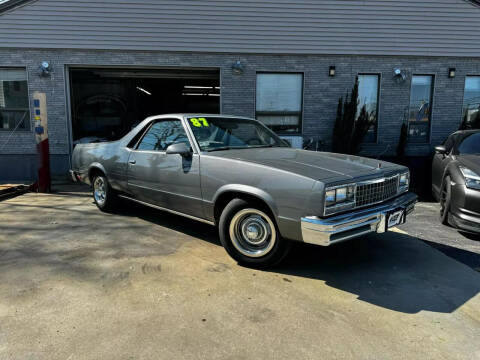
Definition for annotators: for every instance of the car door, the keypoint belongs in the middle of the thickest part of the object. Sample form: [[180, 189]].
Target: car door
[[440, 161], [170, 181]]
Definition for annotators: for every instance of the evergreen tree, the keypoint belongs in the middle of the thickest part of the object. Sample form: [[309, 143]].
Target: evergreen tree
[[349, 131]]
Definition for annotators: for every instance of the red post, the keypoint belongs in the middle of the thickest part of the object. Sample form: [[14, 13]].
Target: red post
[[41, 136]]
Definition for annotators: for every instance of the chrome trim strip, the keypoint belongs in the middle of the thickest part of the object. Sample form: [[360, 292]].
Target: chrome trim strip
[[327, 231], [378, 180], [169, 210], [340, 186], [343, 206], [164, 192]]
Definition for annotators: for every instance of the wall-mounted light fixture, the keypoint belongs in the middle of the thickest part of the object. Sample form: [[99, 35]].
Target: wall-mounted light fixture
[[237, 68], [452, 72], [331, 71], [399, 75], [44, 69]]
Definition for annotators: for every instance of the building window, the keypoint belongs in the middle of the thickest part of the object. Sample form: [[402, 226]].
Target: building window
[[14, 107], [471, 102], [279, 101], [368, 94], [420, 110]]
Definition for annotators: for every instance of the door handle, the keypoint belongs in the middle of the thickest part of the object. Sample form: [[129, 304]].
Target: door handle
[[133, 162]]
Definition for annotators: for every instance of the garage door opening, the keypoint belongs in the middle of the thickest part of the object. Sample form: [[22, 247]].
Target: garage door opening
[[108, 103]]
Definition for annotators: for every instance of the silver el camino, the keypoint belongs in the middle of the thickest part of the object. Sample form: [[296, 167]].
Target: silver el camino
[[238, 175]]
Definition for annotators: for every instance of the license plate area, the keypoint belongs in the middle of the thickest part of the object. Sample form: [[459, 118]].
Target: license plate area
[[395, 218]]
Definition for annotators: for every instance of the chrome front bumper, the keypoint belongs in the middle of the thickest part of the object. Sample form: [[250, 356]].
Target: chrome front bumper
[[343, 227]]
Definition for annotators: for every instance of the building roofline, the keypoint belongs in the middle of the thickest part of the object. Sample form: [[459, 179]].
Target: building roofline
[[11, 4]]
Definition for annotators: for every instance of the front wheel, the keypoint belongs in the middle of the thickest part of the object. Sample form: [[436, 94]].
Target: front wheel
[[103, 194], [249, 234]]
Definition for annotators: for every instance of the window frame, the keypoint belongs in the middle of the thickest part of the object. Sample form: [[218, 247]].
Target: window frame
[[135, 140], [462, 113], [273, 113], [379, 76], [147, 128], [432, 106], [28, 120]]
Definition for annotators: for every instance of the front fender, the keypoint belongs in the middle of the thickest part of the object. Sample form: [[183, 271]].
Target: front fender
[[249, 190], [453, 170]]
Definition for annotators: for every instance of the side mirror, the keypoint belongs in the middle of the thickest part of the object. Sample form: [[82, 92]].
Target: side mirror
[[179, 148], [440, 149]]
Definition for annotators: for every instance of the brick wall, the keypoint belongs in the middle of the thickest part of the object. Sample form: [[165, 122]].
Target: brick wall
[[321, 93]]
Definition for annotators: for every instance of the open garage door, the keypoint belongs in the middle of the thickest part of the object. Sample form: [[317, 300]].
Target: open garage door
[[107, 103]]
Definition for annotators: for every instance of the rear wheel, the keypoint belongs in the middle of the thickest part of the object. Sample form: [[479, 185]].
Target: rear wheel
[[103, 194], [249, 234], [445, 198]]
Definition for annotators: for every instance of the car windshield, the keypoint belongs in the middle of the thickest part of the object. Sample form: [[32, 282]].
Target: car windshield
[[470, 145], [216, 133]]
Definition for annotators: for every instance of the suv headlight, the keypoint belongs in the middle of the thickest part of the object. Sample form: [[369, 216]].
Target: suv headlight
[[339, 197], [472, 179], [404, 182]]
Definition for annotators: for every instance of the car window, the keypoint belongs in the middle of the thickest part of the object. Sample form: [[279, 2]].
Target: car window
[[470, 145], [162, 134]]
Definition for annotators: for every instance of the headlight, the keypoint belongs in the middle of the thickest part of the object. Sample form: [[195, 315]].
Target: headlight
[[472, 179], [330, 198], [404, 181], [339, 196]]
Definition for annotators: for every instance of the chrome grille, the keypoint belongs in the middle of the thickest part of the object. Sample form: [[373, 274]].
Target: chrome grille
[[375, 191]]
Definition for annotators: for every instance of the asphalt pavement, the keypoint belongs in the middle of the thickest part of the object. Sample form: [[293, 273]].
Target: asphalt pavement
[[76, 283], [424, 224]]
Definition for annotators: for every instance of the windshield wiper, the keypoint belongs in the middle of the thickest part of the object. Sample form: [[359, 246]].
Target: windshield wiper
[[263, 146], [243, 147], [219, 148], [227, 148]]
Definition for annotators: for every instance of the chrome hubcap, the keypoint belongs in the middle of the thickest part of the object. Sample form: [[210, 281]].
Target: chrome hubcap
[[252, 232], [99, 192]]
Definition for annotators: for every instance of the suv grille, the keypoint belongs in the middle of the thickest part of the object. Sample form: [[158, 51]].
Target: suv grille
[[375, 191]]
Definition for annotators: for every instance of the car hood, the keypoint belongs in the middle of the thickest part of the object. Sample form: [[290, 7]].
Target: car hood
[[470, 161], [316, 165]]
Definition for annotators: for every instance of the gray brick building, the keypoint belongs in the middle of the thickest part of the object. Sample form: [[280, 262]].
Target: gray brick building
[[105, 57]]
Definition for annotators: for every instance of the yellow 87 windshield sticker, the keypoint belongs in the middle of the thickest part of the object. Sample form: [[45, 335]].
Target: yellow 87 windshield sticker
[[199, 122]]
